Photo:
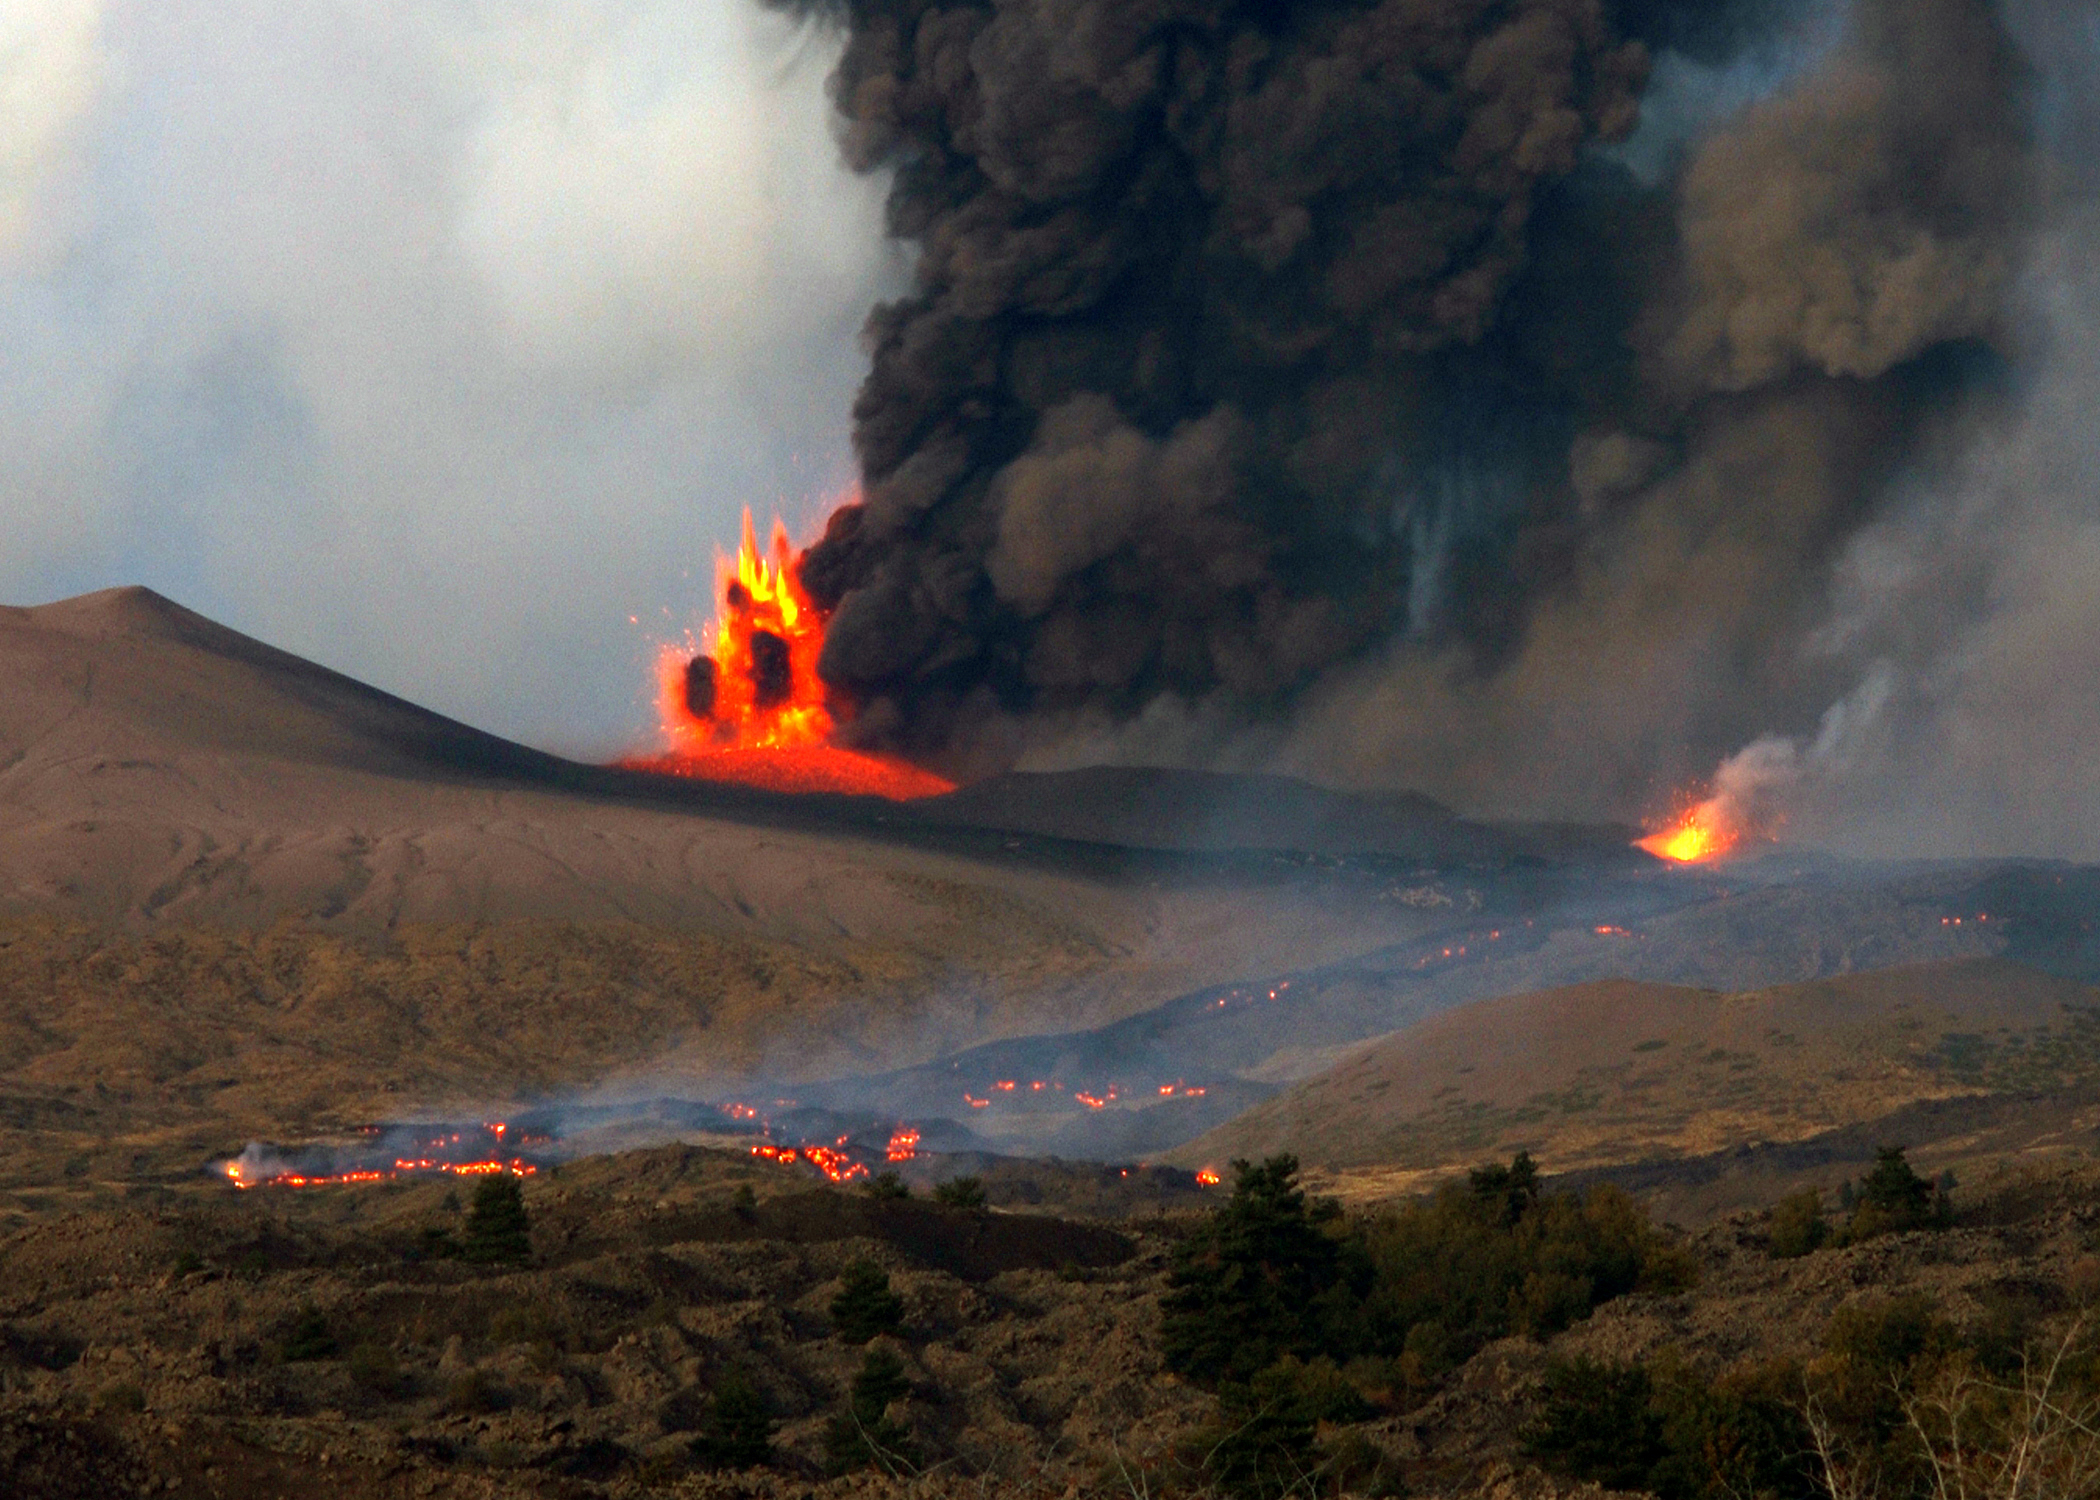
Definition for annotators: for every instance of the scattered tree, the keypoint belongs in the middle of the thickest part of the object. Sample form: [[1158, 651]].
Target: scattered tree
[[864, 1435], [309, 1336], [960, 1192], [1893, 1198], [865, 1307], [1256, 1283], [496, 1224], [739, 1429], [886, 1185], [1798, 1226]]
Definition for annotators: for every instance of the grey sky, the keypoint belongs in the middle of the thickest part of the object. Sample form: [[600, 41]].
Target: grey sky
[[430, 340]]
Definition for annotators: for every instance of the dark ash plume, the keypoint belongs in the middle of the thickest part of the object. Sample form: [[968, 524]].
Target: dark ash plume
[[1291, 362]]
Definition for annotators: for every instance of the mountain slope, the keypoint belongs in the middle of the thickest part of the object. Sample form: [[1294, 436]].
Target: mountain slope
[[1618, 1071]]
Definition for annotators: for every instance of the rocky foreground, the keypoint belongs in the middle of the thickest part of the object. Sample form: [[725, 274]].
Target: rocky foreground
[[337, 1341]]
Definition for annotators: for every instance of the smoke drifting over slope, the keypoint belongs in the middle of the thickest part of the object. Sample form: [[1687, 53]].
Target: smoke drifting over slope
[[1318, 384]]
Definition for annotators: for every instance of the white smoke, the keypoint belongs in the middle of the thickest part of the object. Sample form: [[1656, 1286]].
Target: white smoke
[[432, 340]]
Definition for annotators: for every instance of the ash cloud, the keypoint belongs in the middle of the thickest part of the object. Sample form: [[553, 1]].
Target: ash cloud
[[1321, 386]]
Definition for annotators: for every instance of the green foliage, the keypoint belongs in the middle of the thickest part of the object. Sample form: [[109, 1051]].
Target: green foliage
[[1671, 1432], [864, 1436], [739, 1428], [1272, 1276], [1496, 1257], [309, 1337], [1599, 1423], [1263, 1279], [960, 1192], [496, 1224], [1798, 1226], [1263, 1446], [1893, 1198], [1740, 1435], [887, 1185], [865, 1307]]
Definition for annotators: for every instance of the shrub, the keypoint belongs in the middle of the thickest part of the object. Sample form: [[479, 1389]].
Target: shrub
[[886, 1185], [309, 1337], [865, 1307], [496, 1224], [1893, 1198], [1598, 1423], [1798, 1226], [374, 1368], [1263, 1448], [475, 1393], [1264, 1278], [739, 1429], [1672, 1432], [960, 1192], [863, 1435], [1476, 1262]]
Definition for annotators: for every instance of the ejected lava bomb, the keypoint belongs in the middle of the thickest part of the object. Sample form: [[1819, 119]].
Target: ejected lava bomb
[[700, 687], [772, 670]]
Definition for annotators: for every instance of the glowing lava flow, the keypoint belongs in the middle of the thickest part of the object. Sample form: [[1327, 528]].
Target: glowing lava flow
[[750, 707]]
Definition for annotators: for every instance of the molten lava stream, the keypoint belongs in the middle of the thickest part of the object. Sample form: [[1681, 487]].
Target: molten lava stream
[[751, 708]]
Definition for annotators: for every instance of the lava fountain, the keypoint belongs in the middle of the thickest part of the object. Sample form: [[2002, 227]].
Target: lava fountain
[[1708, 829], [748, 706]]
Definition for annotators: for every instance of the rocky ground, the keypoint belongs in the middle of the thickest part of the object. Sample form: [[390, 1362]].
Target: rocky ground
[[235, 1345]]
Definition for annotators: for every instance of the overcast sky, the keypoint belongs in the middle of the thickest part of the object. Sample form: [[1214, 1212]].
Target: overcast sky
[[431, 339]]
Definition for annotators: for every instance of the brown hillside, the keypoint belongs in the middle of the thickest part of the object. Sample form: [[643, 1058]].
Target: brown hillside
[[1616, 1071], [241, 894]]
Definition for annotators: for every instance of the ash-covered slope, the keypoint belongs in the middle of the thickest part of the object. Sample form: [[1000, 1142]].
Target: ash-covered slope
[[1159, 1078], [238, 887], [1618, 1070], [1208, 813]]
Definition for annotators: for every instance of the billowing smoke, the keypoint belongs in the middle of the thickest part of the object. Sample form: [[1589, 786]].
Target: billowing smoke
[[1408, 391]]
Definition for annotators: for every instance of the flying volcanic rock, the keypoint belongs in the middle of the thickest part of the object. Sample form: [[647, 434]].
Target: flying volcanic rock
[[1261, 348]]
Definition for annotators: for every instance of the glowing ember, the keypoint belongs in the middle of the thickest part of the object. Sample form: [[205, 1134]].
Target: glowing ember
[[903, 1146], [1208, 1177], [746, 705]]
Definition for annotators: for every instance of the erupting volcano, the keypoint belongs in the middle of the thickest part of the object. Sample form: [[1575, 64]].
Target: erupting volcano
[[749, 707], [1705, 831]]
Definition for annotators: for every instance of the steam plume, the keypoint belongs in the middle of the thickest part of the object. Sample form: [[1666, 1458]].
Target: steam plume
[[1314, 383]]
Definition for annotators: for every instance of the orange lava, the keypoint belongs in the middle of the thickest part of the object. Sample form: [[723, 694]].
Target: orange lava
[[811, 768], [1705, 832], [237, 1174], [747, 705]]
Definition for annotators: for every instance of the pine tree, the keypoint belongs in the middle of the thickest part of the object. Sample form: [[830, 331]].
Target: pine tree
[[1251, 1285], [863, 1434], [865, 1307], [496, 1224], [739, 1432]]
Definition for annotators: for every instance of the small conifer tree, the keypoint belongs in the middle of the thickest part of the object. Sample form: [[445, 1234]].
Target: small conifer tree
[[496, 1224], [1249, 1286], [739, 1430], [865, 1307], [886, 1185], [960, 1192], [863, 1435], [310, 1336]]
